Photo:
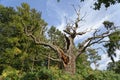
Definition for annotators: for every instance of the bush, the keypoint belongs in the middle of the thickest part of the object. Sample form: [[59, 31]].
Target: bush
[[103, 75], [29, 76], [10, 74]]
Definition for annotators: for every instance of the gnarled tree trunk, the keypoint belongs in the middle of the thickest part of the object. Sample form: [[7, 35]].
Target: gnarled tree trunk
[[69, 58], [71, 66], [69, 62]]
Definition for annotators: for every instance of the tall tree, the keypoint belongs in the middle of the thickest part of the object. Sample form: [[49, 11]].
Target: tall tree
[[16, 49], [69, 54], [114, 38]]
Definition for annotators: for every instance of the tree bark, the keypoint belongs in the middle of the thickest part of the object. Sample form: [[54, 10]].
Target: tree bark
[[69, 57], [71, 66]]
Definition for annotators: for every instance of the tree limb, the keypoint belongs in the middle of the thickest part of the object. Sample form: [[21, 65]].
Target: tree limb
[[59, 60], [90, 41], [54, 59], [80, 33], [60, 52], [71, 29]]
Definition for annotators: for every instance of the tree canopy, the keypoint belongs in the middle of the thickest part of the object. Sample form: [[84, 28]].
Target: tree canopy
[[106, 3]]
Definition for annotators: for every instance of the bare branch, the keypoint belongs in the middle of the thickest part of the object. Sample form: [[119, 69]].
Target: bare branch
[[99, 37], [54, 59], [80, 33], [37, 41], [85, 31], [92, 40], [71, 28], [68, 32], [59, 60], [67, 42], [102, 42], [77, 11], [82, 18], [61, 54]]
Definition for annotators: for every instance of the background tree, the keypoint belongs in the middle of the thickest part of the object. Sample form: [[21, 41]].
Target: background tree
[[114, 38], [94, 57], [114, 67], [18, 52], [56, 37], [106, 3]]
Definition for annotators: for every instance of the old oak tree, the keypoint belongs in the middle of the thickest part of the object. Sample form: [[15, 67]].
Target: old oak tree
[[69, 53]]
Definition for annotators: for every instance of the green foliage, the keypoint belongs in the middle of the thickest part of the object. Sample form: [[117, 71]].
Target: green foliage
[[56, 37], [55, 74], [29, 76], [83, 65], [114, 67], [106, 3], [17, 50], [103, 75], [114, 39], [10, 73], [93, 56], [108, 25], [32, 20], [113, 44]]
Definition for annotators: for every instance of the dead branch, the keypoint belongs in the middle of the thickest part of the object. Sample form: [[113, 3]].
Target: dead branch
[[71, 28], [77, 11], [68, 32], [37, 41], [60, 52], [80, 33], [67, 42], [95, 36], [59, 60], [54, 59], [92, 40]]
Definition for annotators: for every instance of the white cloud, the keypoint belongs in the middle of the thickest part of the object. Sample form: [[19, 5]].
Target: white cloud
[[104, 61], [58, 13]]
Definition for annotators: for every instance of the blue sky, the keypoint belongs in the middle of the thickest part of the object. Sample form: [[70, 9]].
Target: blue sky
[[54, 13]]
